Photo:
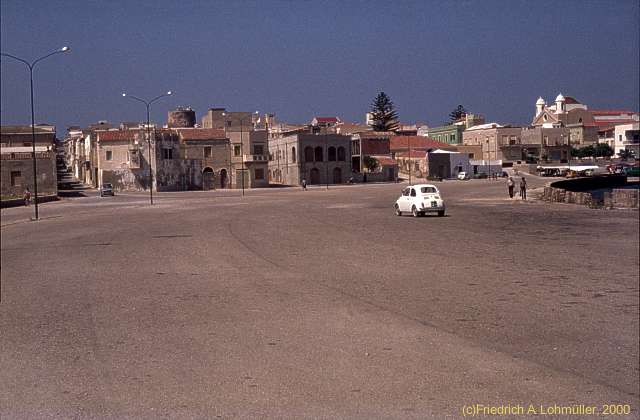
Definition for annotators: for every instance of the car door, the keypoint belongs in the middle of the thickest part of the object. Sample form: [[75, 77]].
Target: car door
[[404, 200], [412, 199]]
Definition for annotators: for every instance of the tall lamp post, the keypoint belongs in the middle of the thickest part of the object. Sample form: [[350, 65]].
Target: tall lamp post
[[33, 124], [148, 105]]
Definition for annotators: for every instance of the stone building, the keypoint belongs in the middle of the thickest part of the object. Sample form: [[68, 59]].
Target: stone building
[[490, 138], [540, 144], [369, 143], [452, 133], [212, 148], [317, 158], [568, 112], [16, 154], [182, 117], [123, 160], [248, 135]]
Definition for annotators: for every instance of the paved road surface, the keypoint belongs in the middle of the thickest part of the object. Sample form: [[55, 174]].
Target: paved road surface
[[317, 304]]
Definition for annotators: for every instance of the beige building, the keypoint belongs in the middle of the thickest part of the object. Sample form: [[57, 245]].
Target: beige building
[[181, 159], [212, 148], [248, 136], [490, 138], [16, 168], [568, 112], [316, 158]]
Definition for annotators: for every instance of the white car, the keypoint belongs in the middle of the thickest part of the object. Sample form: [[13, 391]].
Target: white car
[[463, 176], [420, 199]]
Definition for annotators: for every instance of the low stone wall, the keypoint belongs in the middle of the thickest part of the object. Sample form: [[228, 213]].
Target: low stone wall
[[622, 198], [617, 198], [559, 195]]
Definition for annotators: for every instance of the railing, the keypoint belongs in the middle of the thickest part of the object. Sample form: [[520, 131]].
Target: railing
[[25, 155], [255, 158]]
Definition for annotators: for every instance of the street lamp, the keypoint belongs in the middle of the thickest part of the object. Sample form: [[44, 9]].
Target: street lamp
[[148, 105], [33, 124]]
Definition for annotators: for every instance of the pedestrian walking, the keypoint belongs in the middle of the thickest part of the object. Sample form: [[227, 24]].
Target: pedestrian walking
[[27, 197], [511, 185], [304, 185], [523, 188]]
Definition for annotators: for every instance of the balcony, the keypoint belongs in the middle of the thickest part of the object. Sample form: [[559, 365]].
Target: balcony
[[255, 158]]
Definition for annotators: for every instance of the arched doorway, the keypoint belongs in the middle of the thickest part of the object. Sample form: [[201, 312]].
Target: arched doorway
[[337, 176], [315, 176], [208, 179], [223, 178]]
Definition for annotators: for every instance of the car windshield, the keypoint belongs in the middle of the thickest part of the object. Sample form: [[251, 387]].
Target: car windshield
[[106, 185], [428, 190]]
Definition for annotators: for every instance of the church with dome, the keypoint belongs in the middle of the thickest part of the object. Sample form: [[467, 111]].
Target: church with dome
[[567, 112]]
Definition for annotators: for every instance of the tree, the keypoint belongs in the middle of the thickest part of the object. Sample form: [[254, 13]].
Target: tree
[[603, 150], [383, 114], [370, 163], [458, 113]]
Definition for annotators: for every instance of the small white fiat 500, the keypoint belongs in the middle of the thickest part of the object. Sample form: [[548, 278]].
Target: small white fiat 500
[[420, 199]]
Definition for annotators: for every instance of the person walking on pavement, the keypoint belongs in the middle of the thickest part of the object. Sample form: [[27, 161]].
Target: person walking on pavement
[[304, 185], [511, 185], [27, 197], [523, 188]]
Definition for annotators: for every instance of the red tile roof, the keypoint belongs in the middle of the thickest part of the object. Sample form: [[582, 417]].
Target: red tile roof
[[117, 135], [398, 143], [610, 112], [376, 134], [604, 122], [327, 119], [571, 100], [413, 154], [385, 160], [201, 133]]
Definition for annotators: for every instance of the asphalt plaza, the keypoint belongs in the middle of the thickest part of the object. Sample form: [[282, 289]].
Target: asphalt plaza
[[315, 304]]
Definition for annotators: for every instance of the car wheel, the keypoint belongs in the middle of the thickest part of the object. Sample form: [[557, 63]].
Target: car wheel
[[398, 212], [414, 211], [441, 213]]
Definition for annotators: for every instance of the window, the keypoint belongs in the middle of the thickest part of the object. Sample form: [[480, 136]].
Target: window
[[109, 155], [341, 154], [26, 143], [259, 173], [413, 192], [453, 138], [332, 154], [308, 154], [293, 154], [207, 152], [167, 153], [16, 178], [430, 190], [405, 192], [236, 150], [258, 149], [318, 154]]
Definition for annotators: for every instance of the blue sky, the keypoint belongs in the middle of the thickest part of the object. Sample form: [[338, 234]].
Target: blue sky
[[303, 58]]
